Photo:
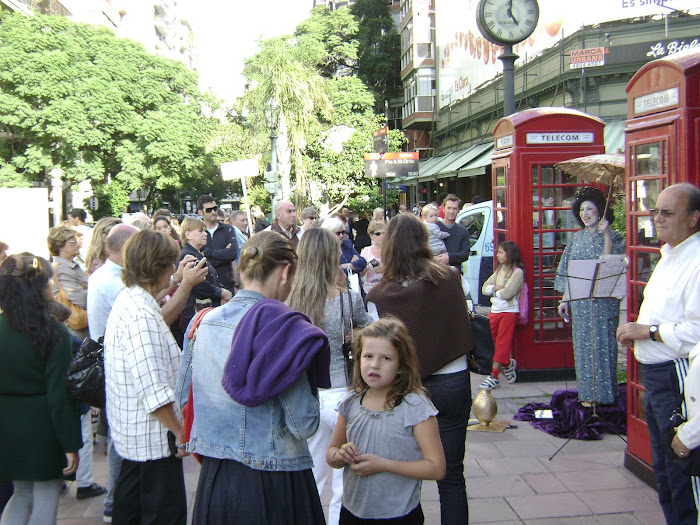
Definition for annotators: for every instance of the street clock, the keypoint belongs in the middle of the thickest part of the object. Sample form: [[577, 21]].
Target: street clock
[[507, 21]]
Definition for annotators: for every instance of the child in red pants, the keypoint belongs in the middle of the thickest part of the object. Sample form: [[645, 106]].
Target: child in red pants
[[504, 286]]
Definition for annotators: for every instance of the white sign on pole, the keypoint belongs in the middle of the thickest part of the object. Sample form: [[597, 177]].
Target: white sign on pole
[[240, 168]]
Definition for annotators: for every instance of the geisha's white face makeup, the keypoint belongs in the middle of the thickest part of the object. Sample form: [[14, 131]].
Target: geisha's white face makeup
[[589, 214]]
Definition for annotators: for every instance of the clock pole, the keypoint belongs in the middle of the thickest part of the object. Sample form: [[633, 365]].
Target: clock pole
[[507, 22], [508, 58]]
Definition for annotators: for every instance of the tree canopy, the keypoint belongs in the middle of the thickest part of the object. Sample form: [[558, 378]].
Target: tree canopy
[[102, 109], [78, 98], [328, 112]]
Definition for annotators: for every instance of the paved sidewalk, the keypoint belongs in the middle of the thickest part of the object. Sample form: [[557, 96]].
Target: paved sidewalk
[[510, 479]]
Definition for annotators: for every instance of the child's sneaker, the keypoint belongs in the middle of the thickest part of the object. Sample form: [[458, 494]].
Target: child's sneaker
[[490, 383], [509, 371]]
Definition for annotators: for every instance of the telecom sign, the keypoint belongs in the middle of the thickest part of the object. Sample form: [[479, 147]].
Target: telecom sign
[[398, 164]]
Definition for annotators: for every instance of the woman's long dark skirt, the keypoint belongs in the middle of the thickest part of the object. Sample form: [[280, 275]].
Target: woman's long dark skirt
[[230, 492]]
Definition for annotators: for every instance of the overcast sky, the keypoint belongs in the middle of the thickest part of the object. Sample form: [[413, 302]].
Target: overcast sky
[[226, 32]]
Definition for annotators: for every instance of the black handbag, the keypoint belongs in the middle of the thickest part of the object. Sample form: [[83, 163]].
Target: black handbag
[[85, 377], [690, 464], [348, 347], [480, 358]]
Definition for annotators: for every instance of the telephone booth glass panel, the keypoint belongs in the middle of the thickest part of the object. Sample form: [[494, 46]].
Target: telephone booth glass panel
[[648, 176], [552, 227], [500, 204]]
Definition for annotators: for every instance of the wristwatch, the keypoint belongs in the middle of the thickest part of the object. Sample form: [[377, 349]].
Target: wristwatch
[[653, 331]]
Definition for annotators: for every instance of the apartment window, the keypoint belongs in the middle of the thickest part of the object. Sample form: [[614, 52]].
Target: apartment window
[[424, 51]]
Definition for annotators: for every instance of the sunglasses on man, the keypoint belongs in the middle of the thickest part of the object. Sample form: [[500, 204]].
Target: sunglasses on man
[[209, 210]]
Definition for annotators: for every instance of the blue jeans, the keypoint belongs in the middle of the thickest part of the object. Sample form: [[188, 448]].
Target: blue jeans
[[451, 395], [663, 396], [114, 464]]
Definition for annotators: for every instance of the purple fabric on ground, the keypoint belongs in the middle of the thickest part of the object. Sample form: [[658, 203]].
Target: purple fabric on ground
[[573, 420]]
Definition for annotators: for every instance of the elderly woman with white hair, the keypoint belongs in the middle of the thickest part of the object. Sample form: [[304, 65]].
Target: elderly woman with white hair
[[351, 262]]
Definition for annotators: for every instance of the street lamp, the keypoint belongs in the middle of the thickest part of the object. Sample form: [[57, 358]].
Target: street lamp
[[271, 113]]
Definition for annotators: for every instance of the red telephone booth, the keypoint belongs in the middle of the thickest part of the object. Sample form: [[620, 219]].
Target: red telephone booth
[[662, 133], [532, 202]]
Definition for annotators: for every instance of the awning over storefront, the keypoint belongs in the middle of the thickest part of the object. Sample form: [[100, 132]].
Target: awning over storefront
[[465, 157], [437, 168], [428, 165], [450, 164], [477, 166], [614, 136]]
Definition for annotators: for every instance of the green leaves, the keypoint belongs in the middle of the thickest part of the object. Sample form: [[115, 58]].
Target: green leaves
[[77, 97]]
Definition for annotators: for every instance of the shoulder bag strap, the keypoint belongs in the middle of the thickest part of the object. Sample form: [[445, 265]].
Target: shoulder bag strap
[[351, 311], [342, 314]]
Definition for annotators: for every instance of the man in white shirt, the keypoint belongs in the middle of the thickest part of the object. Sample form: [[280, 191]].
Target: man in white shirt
[[666, 330]]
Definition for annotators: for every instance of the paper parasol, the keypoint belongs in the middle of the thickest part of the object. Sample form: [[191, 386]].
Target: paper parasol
[[606, 168]]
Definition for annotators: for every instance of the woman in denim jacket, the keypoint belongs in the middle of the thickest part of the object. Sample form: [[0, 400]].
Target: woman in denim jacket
[[255, 406]]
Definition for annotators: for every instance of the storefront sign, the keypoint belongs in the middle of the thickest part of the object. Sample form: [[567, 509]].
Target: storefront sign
[[563, 137], [591, 57], [654, 101], [662, 49]]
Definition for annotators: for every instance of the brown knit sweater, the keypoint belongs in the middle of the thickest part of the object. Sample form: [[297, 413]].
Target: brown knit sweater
[[435, 315], [292, 236]]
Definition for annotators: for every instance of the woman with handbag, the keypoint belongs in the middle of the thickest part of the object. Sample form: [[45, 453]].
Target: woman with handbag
[[336, 311], [70, 281], [40, 424], [71, 289], [428, 298], [255, 368], [352, 263]]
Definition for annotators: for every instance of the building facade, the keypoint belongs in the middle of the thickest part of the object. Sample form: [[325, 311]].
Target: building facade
[[566, 63]]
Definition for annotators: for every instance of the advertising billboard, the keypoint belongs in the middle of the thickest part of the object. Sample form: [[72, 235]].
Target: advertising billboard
[[466, 59]]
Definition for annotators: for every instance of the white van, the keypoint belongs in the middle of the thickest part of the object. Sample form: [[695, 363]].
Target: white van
[[478, 220]]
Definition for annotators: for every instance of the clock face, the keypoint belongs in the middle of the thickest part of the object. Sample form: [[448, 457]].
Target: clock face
[[507, 21]]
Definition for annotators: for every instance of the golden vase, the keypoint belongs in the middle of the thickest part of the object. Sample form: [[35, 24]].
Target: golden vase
[[484, 407]]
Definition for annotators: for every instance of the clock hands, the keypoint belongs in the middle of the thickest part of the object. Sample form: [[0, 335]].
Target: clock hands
[[509, 12]]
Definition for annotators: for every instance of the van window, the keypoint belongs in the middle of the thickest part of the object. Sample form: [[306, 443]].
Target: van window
[[474, 223]]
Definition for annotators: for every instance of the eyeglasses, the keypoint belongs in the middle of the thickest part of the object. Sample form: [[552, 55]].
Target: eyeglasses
[[312, 218], [341, 232], [666, 214], [378, 234], [209, 210]]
